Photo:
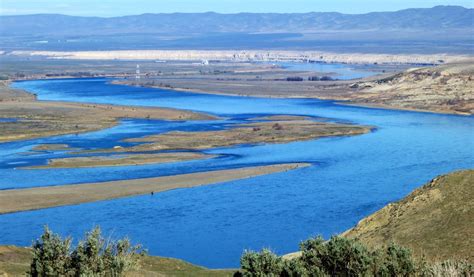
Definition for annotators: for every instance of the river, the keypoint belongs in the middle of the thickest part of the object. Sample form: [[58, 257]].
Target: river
[[350, 177]]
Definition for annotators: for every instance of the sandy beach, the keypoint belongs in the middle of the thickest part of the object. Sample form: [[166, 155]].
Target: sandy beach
[[46, 197]]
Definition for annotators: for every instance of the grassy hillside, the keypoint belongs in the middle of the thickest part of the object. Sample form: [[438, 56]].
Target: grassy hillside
[[436, 220], [15, 261], [445, 88]]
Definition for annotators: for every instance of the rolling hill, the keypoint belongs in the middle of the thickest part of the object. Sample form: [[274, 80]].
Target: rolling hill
[[436, 220]]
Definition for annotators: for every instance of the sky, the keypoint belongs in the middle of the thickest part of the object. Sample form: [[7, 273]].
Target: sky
[[109, 8]]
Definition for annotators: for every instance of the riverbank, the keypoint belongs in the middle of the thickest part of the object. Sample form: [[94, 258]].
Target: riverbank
[[445, 88], [441, 89], [46, 197], [435, 221], [34, 119]]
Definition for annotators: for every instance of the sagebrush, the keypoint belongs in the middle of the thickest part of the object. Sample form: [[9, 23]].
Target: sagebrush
[[93, 256]]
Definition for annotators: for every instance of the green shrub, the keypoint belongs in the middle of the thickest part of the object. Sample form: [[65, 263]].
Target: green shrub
[[293, 268], [337, 257], [260, 264], [312, 251], [51, 255], [397, 261], [94, 256]]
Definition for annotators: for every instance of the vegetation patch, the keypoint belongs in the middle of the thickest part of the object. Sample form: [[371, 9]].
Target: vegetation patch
[[436, 220], [346, 257]]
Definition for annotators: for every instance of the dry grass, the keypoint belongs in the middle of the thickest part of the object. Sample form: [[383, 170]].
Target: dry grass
[[263, 132], [15, 261], [436, 220], [447, 88]]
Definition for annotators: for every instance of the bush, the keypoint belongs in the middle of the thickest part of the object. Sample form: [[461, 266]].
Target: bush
[[336, 257], [311, 252], [294, 79], [397, 261], [449, 268], [293, 268], [51, 255], [326, 78], [264, 263], [94, 256]]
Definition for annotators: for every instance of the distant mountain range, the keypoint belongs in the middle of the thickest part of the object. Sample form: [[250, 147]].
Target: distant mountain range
[[242, 30], [440, 17]]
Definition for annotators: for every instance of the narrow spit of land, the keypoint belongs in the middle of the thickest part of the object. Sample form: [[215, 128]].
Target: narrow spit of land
[[46, 197], [279, 129], [35, 119], [272, 129], [121, 160]]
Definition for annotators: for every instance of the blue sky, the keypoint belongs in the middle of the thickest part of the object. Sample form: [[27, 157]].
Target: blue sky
[[109, 8]]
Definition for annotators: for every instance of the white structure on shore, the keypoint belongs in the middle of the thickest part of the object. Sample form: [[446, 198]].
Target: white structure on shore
[[137, 73]]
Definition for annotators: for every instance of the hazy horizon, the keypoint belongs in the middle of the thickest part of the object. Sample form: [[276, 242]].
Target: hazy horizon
[[118, 8]]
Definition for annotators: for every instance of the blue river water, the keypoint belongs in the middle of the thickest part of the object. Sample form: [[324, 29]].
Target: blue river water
[[350, 177], [335, 70]]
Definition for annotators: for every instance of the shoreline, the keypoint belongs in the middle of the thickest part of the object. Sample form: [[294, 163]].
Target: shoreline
[[39, 118], [17, 200], [335, 100], [387, 107], [198, 91], [336, 90], [423, 206]]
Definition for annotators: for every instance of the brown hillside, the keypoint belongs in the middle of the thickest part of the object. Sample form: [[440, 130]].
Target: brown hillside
[[436, 220]]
